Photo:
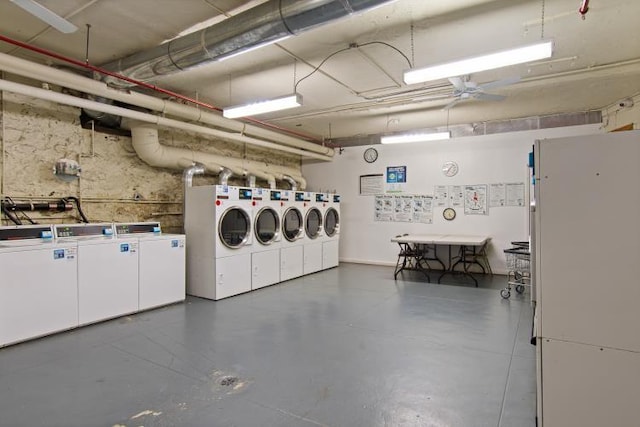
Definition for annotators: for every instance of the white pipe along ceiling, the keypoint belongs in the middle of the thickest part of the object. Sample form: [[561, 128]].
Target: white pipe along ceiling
[[178, 158], [51, 75]]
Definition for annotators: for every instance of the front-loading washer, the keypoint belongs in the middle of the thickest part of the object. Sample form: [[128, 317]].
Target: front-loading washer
[[218, 226], [38, 283], [107, 270], [331, 228], [313, 232], [161, 263], [265, 257], [292, 249]]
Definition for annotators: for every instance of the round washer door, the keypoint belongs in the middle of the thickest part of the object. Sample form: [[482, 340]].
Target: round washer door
[[267, 225], [313, 223], [234, 227], [331, 222], [292, 224]]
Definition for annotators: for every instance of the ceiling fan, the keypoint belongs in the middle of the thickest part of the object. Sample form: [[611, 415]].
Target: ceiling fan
[[464, 90], [44, 14]]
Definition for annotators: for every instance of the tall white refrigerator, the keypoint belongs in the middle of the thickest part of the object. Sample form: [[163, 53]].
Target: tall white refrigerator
[[587, 264]]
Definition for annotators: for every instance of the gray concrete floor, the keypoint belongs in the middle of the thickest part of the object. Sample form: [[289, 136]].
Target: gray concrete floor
[[344, 347]]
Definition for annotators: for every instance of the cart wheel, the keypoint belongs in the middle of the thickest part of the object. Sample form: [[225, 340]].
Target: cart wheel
[[505, 293], [519, 289]]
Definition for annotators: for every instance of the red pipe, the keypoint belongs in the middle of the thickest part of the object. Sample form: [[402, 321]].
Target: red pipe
[[147, 85], [584, 8]]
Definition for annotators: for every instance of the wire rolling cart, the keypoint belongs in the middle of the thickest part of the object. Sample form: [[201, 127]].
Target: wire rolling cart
[[519, 267]]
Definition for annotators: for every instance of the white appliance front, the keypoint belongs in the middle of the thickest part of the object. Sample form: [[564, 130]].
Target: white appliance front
[[161, 263], [38, 289], [218, 232], [292, 249], [107, 271], [313, 232], [331, 228], [265, 257]]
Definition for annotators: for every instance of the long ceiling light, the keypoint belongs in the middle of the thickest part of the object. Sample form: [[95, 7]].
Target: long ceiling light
[[260, 107], [476, 64], [44, 14], [414, 137]]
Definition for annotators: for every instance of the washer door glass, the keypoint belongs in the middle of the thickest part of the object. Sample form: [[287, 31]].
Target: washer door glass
[[234, 227], [313, 223], [267, 225], [292, 224], [331, 222]]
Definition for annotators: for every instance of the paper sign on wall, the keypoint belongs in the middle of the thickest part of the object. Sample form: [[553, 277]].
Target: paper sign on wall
[[456, 193], [396, 178], [383, 208], [423, 209], [441, 195], [497, 195], [475, 200], [514, 194]]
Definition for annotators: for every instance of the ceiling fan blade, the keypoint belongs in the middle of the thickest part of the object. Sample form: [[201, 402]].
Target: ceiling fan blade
[[44, 14], [499, 83], [489, 97], [451, 104], [458, 83]]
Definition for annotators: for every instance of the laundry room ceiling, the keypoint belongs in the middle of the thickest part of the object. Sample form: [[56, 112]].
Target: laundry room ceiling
[[360, 90]]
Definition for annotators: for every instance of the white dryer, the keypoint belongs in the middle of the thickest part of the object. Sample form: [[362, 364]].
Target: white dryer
[[265, 257], [161, 263], [218, 222], [331, 228], [292, 249], [38, 283], [313, 232], [107, 271]]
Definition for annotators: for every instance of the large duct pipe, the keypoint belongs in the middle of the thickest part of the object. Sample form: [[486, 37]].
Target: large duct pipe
[[291, 181], [264, 24], [144, 138], [148, 118], [44, 73], [251, 180], [224, 175], [187, 180]]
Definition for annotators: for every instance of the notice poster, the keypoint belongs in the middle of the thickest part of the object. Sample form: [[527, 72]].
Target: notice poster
[[514, 194], [370, 185], [475, 200], [403, 208], [383, 208], [441, 195], [423, 209], [497, 195], [396, 178], [456, 193]]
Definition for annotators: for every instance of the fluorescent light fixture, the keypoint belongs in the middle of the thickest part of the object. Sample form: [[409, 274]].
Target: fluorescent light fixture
[[44, 14], [414, 137], [277, 104], [476, 64]]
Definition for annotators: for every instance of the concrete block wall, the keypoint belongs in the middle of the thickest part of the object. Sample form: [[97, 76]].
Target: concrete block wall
[[115, 185]]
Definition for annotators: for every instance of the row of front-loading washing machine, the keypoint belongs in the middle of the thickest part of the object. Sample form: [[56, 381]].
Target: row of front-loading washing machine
[[58, 277], [240, 239]]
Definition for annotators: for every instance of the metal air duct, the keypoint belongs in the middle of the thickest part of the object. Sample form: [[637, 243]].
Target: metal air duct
[[264, 24]]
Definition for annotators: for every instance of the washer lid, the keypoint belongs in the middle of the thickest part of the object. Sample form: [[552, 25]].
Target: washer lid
[[331, 222], [313, 223], [292, 227], [267, 225]]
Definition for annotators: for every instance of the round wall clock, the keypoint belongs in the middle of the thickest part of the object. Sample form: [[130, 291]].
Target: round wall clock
[[449, 214], [450, 168], [370, 155]]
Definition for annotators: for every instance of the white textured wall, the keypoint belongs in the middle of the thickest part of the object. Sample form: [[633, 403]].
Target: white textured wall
[[482, 160], [36, 133]]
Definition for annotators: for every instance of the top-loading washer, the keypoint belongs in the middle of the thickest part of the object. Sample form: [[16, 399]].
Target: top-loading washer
[[218, 225], [265, 258], [107, 271], [161, 263], [331, 228], [313, 204], [38, 283], [292, 249]]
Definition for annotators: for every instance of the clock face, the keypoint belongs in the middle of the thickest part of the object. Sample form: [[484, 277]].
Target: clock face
[[370, 155], [450, 168], [449, 214]]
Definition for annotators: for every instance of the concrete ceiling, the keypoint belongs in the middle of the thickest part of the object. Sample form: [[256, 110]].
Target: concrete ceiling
[[360, 91]]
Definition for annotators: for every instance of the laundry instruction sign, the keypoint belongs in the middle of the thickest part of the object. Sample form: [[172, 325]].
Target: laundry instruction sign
[[396, 178]]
